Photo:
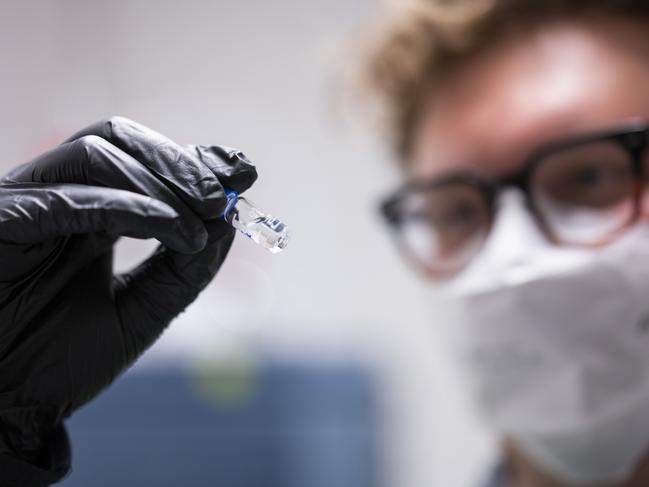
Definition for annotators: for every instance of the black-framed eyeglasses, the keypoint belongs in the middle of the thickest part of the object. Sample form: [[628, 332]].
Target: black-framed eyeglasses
[[584, 191]]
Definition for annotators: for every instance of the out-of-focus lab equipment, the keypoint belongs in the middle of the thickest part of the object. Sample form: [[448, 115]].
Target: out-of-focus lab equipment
[[236, 425]]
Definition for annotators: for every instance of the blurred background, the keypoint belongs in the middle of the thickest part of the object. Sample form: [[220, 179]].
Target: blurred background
[[315, 367]]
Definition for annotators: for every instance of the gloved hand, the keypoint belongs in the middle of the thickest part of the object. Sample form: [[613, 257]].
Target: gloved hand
[[68, 326]]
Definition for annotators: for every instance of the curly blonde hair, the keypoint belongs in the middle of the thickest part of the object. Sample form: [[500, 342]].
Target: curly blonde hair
[[425, 37]]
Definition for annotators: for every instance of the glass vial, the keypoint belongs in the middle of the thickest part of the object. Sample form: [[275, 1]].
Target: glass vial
[[262, 228]]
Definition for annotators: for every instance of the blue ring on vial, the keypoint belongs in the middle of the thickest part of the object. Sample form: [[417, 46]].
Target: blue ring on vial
[[232, 197]]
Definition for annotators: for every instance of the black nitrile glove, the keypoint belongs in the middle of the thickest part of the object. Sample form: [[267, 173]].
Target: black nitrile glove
[[68, 326]]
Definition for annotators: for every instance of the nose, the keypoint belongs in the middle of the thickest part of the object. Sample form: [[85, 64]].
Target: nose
[[515, 234]]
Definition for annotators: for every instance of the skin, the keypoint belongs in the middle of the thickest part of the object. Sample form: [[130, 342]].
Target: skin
[[555, 80]]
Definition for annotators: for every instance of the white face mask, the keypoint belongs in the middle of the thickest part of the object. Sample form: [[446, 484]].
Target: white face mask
[[554, 344]]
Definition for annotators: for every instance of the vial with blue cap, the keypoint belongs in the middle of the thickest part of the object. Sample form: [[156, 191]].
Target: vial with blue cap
[[260, 227]]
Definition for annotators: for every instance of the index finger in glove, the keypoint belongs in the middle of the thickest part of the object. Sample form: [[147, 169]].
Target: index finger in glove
[[93, 161], [32, 213], [191, 180]]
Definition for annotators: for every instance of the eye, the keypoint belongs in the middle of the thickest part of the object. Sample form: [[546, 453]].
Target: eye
[[584, 194], [593, 175], [596, 175], [442, 226], [457, 215]]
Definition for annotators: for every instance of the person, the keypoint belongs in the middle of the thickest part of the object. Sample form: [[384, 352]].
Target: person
[[68, 326], [522, 131]]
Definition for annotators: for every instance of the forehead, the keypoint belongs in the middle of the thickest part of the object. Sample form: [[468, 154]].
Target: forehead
[[559, 79]]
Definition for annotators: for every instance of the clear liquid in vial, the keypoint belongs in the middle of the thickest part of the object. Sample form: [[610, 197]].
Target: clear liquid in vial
[[262, 228]]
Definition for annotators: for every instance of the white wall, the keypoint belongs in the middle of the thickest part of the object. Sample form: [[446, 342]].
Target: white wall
[[254, 74]]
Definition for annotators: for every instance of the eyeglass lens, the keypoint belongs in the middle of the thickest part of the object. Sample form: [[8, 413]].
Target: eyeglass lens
[[585, 194]]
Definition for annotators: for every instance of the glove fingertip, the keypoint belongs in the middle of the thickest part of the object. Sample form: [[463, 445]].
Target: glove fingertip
[[242, 178], [231, 166]]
